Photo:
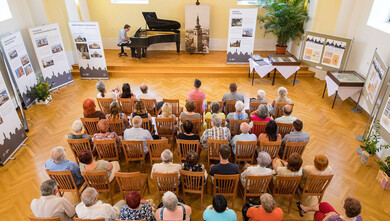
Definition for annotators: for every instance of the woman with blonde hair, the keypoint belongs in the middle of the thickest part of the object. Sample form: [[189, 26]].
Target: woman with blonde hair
[[115, 113], [282, 98], [166, 112]]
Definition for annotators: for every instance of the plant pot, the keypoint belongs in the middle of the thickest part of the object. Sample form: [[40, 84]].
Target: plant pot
[[48, 99], [367, 159], [280, 49], [383, 180]]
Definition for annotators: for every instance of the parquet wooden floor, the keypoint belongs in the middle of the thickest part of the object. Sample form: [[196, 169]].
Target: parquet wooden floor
[[332, 132]]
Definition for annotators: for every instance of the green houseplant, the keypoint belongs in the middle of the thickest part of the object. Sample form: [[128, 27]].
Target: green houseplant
[[41, 91], [371, 141], [384, 173], [284, 19]]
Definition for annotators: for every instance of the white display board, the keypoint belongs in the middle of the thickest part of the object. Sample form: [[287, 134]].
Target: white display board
[[51, 55], [333, 53], [89, 48], [197, 28], [21, 69], [241, 39], [11, 129], [313, 48]]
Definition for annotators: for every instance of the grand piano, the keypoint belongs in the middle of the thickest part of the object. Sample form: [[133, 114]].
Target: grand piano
[[160, 31]]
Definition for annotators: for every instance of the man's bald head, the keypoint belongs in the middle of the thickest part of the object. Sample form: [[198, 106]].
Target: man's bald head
[[287, 110], [144, 88], [137, 121], [244, 127]]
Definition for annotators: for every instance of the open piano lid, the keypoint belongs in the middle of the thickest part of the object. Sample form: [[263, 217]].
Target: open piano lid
[[159, 24]]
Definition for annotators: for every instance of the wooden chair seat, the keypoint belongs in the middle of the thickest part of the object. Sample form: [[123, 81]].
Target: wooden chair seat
[[286, 186], [166, 182], [117, 126], [147, 125], [185, 146], [135, 181], [155, 148], [134, 151], [65, 182], [107, 149], [78, 145], [271, 147], [226, 185], [284, 129], [255, 186], [166, 128], [90, 125], [316, 185], [193, 182], [293, 147], [245, 151], [104, 104], [100, 181], [127, 105]]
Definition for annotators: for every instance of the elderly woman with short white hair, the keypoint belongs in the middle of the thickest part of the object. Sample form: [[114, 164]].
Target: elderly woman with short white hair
[[263, 161], [282, 98], [260, 97], [166, 166], [172, 209], [240, 113], [77, 128]]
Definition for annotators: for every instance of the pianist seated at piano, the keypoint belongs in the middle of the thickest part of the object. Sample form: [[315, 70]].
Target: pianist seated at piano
[[123, 41]]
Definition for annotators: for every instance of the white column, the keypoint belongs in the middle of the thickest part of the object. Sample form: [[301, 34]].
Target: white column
[[84, 10]]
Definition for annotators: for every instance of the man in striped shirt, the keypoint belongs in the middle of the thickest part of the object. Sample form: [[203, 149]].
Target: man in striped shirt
[[217, 132]]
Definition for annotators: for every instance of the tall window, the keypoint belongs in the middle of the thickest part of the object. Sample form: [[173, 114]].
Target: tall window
[[130, 1], [380, 15], [5, 13], [247, 2]]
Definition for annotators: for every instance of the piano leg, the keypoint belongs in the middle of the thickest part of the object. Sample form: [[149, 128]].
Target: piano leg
[[178, 47], [143, 52], [139, 53]]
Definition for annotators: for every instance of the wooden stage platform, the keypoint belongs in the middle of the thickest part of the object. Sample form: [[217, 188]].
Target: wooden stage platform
[[171, 63]]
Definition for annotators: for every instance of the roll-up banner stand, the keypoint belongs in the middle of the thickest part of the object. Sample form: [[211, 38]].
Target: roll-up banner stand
[[89, 48], [241, 39], [51, 55]]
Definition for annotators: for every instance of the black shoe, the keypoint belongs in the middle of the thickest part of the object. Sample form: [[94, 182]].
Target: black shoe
[[300, 210], [134, 55]]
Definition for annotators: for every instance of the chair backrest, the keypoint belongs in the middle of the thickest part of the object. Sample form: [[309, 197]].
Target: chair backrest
[[167, 182], [127, 105], [286, 185], [208, 109], [128, 182], [234, 126], [80, 219], [97, 179], [151, 106], [104, 104], [156, 147], [78, 145], [213, 148], [165, 127], [279, 108], [284, 129], [208, 123], [293, 147], [133, 150], [253, 106], [147, 125], [64, 180], [316, 185], [117, 126], [256, 185], [258, 127], [107, 149], [197, 125], [90, 125], [230, 106], [175, 103], [271, 147], [184, 146], [245, 150], [44, 219], [225, 184], [199, 107], [192, 182]]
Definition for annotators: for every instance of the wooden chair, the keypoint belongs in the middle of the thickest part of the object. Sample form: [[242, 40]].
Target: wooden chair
[[208, 108], [184, 146], [253, 106], [32, 218], [100, 181], [226, 185], [127, 105], [286, 186], [151, 106], [258, 127], [135, 181], [213, 149], [284, 129], [234, 126], [271, 147], [134, 151], [193, 182], [65, 182], [255, 186], [104, 104], [131, 220], [166, 128], [316, 185], [90, 125], [78, 145], [208, 123], [166, 182], [293, 147], [197, 129], [175, 103], [146, 124], [80, 219], [230, 106], [279, 109], [199, 107], [117, 126], [245, 151], [107, 149], [156, 147]]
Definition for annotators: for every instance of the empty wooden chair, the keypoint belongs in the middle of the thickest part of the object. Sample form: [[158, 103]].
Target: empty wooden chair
[[117, 126], [78, 145], [32, 218], [279, 109], [80, 219], [166, 128], [226, 185], [100, 181], [175, 103], [134, 151], [147, 125], [258, 127], [213, 149], [253, 106], [245, 151], [156, 147], [230, 107], [293, 147], [284, 129], [208, 123], [286, 186], [90, 125], [127, 105], [135, 181], [193, 182], [271, 147], [234, 126], [184, 146], [151, 106], [255, 186], [316, 185], [166, 182], [197, 129], [107, 149], [209, 106], [65, 182], [104, 104]]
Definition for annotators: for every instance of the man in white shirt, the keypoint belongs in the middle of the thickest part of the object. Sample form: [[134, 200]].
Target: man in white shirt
[[166, 166], [51, 205], [244, 136], [263, 160], [145, 95], [137, 133], [286, 118], [92, 208], [123, 40]]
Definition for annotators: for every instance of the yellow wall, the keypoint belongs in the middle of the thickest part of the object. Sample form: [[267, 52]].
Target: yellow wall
[[326, 16]]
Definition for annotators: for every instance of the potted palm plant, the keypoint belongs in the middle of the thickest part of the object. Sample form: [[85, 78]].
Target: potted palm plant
[[370, 147], [41, 91], [284, 19], [384, 173]]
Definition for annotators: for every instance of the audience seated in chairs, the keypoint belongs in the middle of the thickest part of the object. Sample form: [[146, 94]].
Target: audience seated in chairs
[[192, 165], [244, 136], [214, 109], [89, 110], [321, 167], [196, 94], [260, 97], [217, 132], [92, 208], [51, 205], [88, 163], [189, 114], [146, 95], [296, 135], [290, 168], [271, 133], [187, 132], [136, 209], [101, 88], [172, 209], [219, 210], [233, 95], [59, 163], [77, 128], [137, 133], [140, 110], [103, 126], [286, 118], [166, 112], [115, 113], [240, 113], [224, 167], [263, 160], [166, 166], [126, 91], [324, 211], [282, 97], [261, 114], [266, 211]]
